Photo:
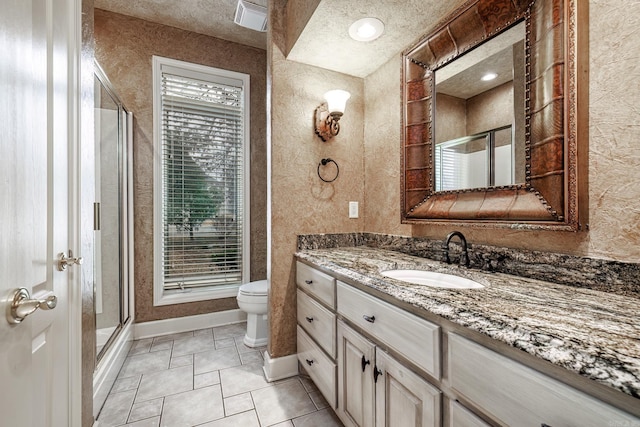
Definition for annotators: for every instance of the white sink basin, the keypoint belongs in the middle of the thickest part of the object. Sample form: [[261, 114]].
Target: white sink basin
[[430, 278]]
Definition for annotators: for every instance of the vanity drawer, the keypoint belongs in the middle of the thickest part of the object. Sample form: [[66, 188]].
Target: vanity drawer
[[459, 416], [318, 322], [318, 284], [517, 395], [416, 339], [319, 367]]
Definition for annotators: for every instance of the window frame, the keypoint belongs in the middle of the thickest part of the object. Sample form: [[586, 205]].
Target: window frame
[[160, 295]]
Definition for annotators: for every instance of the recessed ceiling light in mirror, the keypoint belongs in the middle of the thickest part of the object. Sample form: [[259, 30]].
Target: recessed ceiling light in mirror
[[366, 29], [489, 76]]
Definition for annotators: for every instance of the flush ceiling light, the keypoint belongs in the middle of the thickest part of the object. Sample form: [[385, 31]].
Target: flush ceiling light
[[366, 29], [489, 76], [328, 113]]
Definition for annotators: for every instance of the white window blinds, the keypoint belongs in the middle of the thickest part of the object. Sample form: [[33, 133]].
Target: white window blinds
[[202, 167]]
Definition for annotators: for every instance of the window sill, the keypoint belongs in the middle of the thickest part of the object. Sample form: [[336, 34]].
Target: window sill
[[179, 297]]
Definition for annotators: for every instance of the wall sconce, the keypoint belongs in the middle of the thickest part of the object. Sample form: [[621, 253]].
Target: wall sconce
[[328, 113]]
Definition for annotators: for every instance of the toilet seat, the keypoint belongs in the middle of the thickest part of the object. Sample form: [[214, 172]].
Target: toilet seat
[[257, 288]]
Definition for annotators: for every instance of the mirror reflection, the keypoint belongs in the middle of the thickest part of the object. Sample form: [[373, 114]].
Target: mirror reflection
[[480, 116]]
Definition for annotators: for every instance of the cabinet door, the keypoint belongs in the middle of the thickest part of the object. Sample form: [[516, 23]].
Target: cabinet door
[[403, 399], [356, 400]]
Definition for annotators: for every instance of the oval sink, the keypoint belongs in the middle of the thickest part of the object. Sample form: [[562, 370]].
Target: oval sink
[[430, 278]]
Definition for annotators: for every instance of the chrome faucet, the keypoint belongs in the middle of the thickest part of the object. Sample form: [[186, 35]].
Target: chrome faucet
[[464, 256]]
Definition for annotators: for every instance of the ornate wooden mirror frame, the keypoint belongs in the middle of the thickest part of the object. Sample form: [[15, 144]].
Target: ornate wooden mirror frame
[[556, 98]]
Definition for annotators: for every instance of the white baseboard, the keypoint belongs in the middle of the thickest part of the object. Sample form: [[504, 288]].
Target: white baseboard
[[189, 323], [280, 367]]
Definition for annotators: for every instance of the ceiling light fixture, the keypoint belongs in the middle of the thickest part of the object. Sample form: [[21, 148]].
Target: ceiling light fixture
[[366, 29], [489, 76]]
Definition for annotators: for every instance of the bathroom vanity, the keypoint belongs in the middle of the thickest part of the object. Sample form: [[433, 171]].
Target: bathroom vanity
[[517, 352]]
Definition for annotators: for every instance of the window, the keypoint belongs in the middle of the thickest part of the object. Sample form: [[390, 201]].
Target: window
[[201, 188]]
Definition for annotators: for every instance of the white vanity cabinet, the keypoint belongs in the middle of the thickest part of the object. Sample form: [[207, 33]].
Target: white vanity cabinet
[[316, 331], [516, 395], [374, 389]]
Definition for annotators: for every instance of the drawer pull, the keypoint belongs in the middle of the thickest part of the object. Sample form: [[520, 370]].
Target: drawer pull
[[309, 362], [369, 319], [308, 282], [309, 319], [376, 373], [365, 362]]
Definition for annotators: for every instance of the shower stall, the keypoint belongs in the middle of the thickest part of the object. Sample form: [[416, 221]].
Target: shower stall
[[113, 235]]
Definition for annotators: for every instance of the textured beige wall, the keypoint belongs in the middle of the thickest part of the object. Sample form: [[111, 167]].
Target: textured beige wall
[[490, 109], [300, 202], [614, 157], [124, 47]]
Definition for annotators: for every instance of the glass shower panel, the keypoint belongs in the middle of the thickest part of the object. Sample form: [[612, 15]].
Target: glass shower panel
[[111, 233]]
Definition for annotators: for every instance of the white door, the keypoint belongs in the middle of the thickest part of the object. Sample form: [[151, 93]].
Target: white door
[[36, 44]]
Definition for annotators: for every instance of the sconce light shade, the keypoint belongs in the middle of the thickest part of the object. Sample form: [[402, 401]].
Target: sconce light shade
[[328, 114], [337, 100]]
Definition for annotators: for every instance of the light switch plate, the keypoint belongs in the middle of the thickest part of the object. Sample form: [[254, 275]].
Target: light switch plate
[[353, 209]]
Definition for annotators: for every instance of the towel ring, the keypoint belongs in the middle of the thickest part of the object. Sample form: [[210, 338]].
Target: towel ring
[[324, 162]]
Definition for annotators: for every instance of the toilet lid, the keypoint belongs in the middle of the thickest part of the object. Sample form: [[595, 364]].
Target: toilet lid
[[259, 287]]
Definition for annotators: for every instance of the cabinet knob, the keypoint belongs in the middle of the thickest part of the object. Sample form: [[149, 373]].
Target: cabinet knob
[[309, 319], [376, 373], [308, 282], [369, 319], [365, 362], [309, 362]]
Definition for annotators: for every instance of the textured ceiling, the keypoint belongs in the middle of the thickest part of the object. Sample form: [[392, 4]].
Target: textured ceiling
[[209, 17], [324, 42]]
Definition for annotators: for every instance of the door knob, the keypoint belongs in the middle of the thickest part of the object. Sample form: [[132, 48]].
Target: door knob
[[22, 305], [64, 261]]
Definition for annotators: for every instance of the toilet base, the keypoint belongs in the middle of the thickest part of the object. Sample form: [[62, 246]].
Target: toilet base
[[257, 330]]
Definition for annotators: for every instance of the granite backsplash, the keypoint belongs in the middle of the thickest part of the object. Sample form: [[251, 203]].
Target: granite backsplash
[[597, 274]]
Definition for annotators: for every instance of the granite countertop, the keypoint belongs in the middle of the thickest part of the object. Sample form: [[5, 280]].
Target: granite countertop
[[595, 334]]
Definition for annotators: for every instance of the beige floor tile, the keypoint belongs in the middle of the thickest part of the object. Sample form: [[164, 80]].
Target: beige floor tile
[[251, 357], [245, 419], [178, 361], [144, 410], [162, 345], [318, 400], [141, 346], [149, 422], [124, 384], [163, 383], [225, 343], [230, 331], [215, 360], [287, 423], [206, 379], [242, 379], [207, 331], [192, 407], [236, 404], [190, 345], [144, 363], [324, 418], [171, 337], [116, 408], [282, 402]]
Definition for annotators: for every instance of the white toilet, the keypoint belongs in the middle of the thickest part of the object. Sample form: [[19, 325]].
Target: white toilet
[[252, 299]]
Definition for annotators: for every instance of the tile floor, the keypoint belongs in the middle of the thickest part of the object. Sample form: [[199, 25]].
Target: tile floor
[[208, 378]]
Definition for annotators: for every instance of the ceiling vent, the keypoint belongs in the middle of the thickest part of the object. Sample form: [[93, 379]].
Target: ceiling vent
[[251, 16]]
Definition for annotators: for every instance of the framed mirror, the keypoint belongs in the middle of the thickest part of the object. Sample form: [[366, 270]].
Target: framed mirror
[[495, 117]]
